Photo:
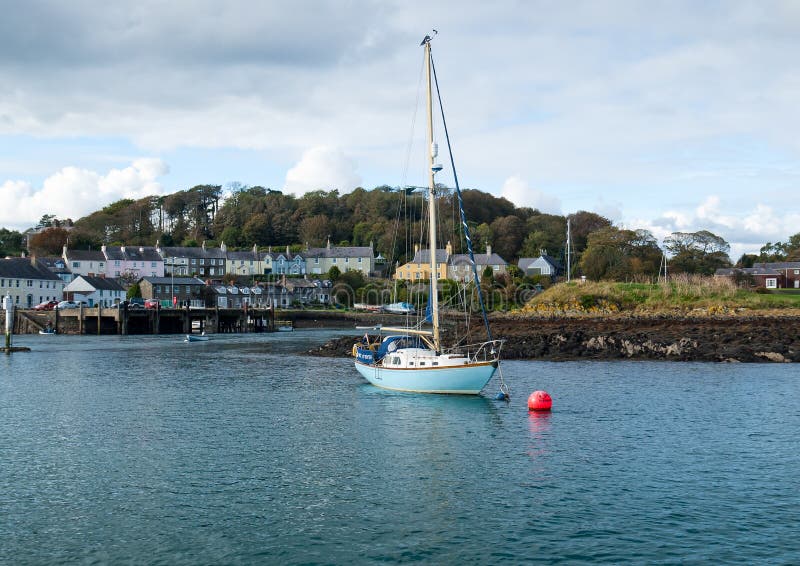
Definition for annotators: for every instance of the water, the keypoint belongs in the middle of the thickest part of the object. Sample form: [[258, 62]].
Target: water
[[238, 451]]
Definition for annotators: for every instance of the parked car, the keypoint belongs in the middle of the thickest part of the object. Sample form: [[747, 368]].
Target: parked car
[[67, 305], [46, 306], [150, 304]]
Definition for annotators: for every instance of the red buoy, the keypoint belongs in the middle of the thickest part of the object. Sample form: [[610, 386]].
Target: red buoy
[[540, 401]]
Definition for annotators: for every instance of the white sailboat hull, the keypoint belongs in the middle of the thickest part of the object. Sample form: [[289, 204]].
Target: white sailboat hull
[[468, 379]]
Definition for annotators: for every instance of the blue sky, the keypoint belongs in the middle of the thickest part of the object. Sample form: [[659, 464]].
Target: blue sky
[[667, 116]]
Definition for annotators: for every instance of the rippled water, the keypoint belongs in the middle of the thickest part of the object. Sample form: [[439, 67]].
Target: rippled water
[[149, 450]]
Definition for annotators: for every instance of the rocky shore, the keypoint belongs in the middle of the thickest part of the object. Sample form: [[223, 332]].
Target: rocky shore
[[740, 338]]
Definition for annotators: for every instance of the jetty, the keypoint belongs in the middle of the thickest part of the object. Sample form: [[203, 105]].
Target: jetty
[[124, 320]]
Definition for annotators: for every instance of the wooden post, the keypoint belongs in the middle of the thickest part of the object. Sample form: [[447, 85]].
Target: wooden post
[[8, 306], [80, 318], [99, 318]]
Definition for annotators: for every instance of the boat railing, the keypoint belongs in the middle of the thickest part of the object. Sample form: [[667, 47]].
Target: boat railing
[[488, 351]]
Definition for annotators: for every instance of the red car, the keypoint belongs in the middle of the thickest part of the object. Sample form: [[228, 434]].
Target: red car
[[46, 306], [150, 304]]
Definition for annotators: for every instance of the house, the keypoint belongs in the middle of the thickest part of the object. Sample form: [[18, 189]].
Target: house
[[287, 263], [790, 270], [754, 276], [420, 265], [301, 292], [345, 258], [177, 290], [58, 266], [459, 267], [772, 275], [192, 261], [247, 263], [28, 282], [133, 261], [85, 262], [542, 265], [95, 291]]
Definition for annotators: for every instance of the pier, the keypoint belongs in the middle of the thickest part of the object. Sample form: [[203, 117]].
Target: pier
[[121, 320]]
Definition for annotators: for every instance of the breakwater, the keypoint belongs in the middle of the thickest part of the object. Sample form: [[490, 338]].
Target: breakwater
[[710, 339]]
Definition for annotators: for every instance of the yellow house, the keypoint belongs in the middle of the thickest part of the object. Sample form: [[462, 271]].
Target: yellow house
[[420, 266]]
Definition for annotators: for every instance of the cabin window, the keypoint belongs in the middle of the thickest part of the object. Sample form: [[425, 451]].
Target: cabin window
[[435, 364], [411, 363], [422, 363]]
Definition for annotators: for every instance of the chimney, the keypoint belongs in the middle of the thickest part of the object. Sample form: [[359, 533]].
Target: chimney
[[122, 249], [329, 242], [449, 248], [64, 252], [255, 249], [204, 245], [223, 247], [33, 260], [287, 251], [488, 249], [416, 249], [141, 249], [103, 249]]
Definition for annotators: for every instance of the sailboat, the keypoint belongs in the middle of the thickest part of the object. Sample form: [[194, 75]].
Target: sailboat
[[413, 358]]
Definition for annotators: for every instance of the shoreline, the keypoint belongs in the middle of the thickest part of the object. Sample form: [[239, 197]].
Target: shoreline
[[752, 338]]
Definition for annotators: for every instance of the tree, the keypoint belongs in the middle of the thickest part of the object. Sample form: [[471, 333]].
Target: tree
[[613, 253], [50, 241], [134, 291], [697, 252], [747, 260], [507, 235], [582, 224], [11, 243], [334, 273]]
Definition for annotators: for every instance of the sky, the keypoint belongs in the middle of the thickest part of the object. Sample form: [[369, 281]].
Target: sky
[[667, 116]]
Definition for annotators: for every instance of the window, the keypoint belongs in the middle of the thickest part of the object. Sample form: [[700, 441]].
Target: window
[[333, 260], [76, 264], [116, 263], [158, 288], [797, 271], [194, 262], [152, 264], [316, 260], [359, 260], [102, 265], [772, 283]]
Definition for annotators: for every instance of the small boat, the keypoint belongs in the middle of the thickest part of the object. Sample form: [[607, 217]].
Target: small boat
[[414, 358], [47, 331], [400, 308], [196, 337], [284, 326]]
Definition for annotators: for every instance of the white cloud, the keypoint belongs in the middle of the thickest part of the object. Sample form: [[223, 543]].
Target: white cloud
[[73, 192], [325, 168], [516, 189]]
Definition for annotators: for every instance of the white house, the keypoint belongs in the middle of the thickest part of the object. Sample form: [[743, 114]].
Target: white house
[[542, 265], [95, 291], [28, 282]]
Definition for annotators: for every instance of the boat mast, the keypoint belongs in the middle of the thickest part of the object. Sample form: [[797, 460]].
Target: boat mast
[[434, 299], [569, 254]]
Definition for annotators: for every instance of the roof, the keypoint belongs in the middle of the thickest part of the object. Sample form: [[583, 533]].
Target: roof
[[100, 283], [173, 280], [21, 268], [525, 262], [746, 271], [779, 265], [424, 256], [341, 251], [54, 264], [480, 259], [249, 255], [85, 255], [132, 253], [192, 252]]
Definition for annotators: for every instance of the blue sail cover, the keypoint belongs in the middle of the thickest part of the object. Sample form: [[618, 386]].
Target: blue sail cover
[[428, 308]]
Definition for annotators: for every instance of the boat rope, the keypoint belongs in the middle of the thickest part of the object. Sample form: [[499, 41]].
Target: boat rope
[[461, 206], [503, 387]]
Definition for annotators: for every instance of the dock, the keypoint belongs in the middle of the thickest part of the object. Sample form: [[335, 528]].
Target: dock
[[124, 321]]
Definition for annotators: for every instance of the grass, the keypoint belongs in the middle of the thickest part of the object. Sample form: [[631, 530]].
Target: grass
[[679, 293]]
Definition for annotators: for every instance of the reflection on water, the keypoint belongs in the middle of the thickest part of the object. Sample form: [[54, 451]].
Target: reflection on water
[[238, 450]]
